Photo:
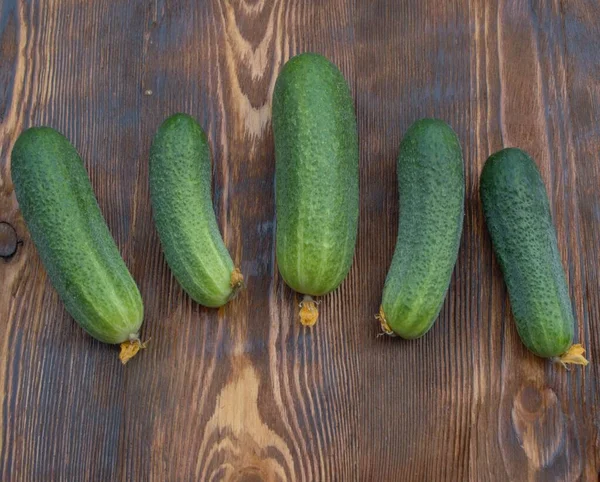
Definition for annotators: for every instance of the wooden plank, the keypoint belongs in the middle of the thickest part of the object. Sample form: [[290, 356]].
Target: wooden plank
[[257, 395], [245, 393], [73, 66], [415, 399], [541, 428]]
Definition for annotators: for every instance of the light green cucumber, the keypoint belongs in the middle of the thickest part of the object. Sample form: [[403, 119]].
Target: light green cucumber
[[432, 192], [517, 214], [316, 151], [180, 190], [61, 212]]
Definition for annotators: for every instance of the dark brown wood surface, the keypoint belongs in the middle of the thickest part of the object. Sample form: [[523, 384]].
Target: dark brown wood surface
[[245, 392]]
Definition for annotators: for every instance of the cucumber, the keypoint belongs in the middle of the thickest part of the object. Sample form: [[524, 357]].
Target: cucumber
[[432, 192], [180, 191], [316, 151], [517, 215], [82, 260]]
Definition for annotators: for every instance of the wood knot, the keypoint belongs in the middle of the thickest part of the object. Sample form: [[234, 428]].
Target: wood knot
[[252, 450], [9, 242], [250, 474], [539, 424]]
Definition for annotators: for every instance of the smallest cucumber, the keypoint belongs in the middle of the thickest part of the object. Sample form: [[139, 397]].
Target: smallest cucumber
[[431, 187], [180, 192]]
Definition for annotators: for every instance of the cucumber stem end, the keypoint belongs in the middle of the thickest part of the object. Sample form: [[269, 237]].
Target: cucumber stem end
[[130, 348], [309, 313], [385, 328], [574, 355], [236, 282]]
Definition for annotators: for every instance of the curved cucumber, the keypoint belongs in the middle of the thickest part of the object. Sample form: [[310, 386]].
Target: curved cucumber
[[316, 150], [72, 238], [432, 191], [180, 190], [517, 214]]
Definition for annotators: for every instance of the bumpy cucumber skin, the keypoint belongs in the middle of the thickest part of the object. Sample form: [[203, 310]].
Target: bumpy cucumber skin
[[432, 191], [316, 150], [180, 189], [82, 260], [518, 218]]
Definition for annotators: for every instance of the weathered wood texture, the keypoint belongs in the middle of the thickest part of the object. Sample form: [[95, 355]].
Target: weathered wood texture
[[246, 393]]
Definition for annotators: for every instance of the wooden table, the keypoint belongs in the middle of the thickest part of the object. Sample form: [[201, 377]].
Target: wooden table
[[245, 392]]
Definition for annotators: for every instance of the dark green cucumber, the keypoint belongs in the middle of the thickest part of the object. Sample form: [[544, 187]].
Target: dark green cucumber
[[316, 150], [517, 214], [432, 192], [180, 190], [82, 260]]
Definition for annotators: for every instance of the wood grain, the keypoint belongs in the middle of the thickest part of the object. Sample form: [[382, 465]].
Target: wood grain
[[245, 392]]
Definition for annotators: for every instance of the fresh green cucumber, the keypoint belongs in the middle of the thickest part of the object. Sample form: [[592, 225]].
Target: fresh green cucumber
[[316, 151], [82, 260], [432, 192], [180, 190], [517, 214]]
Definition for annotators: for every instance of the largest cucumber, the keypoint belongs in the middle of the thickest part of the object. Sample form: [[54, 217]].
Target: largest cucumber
[[316, 151], [432, 192], [517, 215], [180, 189], [84, 265]]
